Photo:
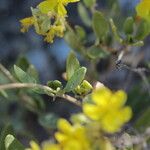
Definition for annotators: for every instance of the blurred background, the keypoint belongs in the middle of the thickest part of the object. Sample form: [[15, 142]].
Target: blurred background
[[49, 60]]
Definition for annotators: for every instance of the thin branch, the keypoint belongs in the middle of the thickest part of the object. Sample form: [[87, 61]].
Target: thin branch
[[7, 73], [140, 71], [45, 88], [71, 99]]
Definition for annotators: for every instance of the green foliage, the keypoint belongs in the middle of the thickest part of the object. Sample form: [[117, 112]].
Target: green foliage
[[128, 25], [84, 88], [54, 84], [101, 35], [142, 30], [80, 32], [72, 65], [97, 52], [143, 121], [73, 41], [23, 76], [6, 130], [84, 15], [89, 3], [11, 143], [48, 121], [75, 79], [100, 25]]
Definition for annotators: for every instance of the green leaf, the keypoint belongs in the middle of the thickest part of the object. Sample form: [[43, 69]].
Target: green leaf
[[72, 65], [72, 40], [143, 120], [23, 76], [100, 25], [128, 25], [33, 72], [11, 143], [89, 3], [80, 32], [143, 30], [115, 31], [6, 130], [75, 79], [84, 15], [23, 63], [96, 52], [4, 94], [48, 121]]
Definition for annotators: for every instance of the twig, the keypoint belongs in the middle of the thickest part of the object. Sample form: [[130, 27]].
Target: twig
[[45, 88], [140, 71], [7, 73], [71, 99]]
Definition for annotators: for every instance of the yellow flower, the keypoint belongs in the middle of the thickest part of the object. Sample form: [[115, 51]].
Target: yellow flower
[[57, 6], [103, 144], [26, 23], [54, 31], [71, 137], [143, 9], [34, 146], [108, 109], [50, 146], [45, 146]]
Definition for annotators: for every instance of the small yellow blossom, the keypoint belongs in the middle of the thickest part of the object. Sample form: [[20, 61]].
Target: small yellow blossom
[[71, 137], [50, 146], [54, 31], [57, 6], [45, 146], [108, 109], [103, 144], [26, 23], [34, 146], [143, 9]]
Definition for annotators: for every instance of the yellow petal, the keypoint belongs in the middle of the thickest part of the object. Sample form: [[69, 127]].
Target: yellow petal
[[69, 1], [118, 99], [92, 111], [60, 137], [105, 144], [47, 6], [64, 126], [73, 145], [143, 9], [61, 10], [50, 146], [126, 114], [34, 145], [101, 96], [26, 23]]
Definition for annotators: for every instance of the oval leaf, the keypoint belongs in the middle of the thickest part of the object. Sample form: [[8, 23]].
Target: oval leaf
[[11, 143], [100, 25], [75, 80], [23, 76], [72, 65]]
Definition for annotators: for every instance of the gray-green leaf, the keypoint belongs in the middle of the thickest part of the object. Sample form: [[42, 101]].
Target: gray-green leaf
[[128, 25], [23, 76], [72, 65], [11, 143], [84, 14], [100, 25], [7, 130], [75, 79], [97, 52]]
